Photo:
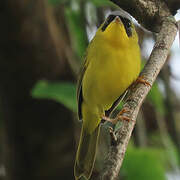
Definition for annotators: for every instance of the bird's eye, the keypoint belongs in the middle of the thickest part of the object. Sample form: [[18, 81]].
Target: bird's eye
[[128, 24], [110, 19], [107, 22]]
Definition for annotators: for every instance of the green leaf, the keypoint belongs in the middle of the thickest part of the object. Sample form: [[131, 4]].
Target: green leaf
[[62, 92], [143, 164]]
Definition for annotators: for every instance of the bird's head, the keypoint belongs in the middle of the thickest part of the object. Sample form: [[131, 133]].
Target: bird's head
[[118, 29]]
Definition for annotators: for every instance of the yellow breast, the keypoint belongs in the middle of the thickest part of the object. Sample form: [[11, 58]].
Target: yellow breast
[[110, 72]]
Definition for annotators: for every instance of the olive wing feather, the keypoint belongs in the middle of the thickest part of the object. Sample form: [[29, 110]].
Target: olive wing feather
[[79, 86]]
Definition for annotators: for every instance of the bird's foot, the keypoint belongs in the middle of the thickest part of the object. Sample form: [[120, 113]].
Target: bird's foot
[[119, 117], [142, 80]]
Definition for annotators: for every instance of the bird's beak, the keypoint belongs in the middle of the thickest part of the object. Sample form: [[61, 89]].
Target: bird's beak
[[117, 20]]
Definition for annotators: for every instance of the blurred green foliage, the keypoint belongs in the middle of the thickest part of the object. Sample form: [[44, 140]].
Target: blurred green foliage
[[156, 98], [76, 24], [55, 2], [143, 164], [172, 158], [99, 3], [62, 92]]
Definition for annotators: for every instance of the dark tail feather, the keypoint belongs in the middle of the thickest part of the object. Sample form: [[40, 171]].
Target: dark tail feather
[[86, 153]]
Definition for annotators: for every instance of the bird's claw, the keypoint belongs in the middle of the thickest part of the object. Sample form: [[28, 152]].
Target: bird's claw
[[119, 117], [142, 80]]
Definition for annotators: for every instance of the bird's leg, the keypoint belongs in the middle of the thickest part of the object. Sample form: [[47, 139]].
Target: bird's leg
[[112, 120], [119, 117], [141, 80]]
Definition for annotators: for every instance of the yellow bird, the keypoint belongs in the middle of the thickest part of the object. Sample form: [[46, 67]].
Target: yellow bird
[[112, 64]]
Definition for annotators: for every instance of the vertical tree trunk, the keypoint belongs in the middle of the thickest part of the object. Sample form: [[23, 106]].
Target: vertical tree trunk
[[38, 133]]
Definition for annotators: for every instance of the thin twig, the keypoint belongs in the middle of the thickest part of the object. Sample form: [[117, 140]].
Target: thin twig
[[156, 61]]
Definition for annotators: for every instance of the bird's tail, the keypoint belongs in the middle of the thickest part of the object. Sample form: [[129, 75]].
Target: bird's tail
[[86, 153]]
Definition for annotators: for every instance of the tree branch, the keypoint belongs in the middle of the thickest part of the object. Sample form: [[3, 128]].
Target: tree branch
[[149, 13], [168, 30]]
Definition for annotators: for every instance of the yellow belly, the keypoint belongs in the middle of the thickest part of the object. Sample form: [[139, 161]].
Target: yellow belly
[[108, 75]]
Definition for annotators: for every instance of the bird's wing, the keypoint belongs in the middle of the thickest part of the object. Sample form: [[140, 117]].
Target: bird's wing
[[80, 79], [79, 86]]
